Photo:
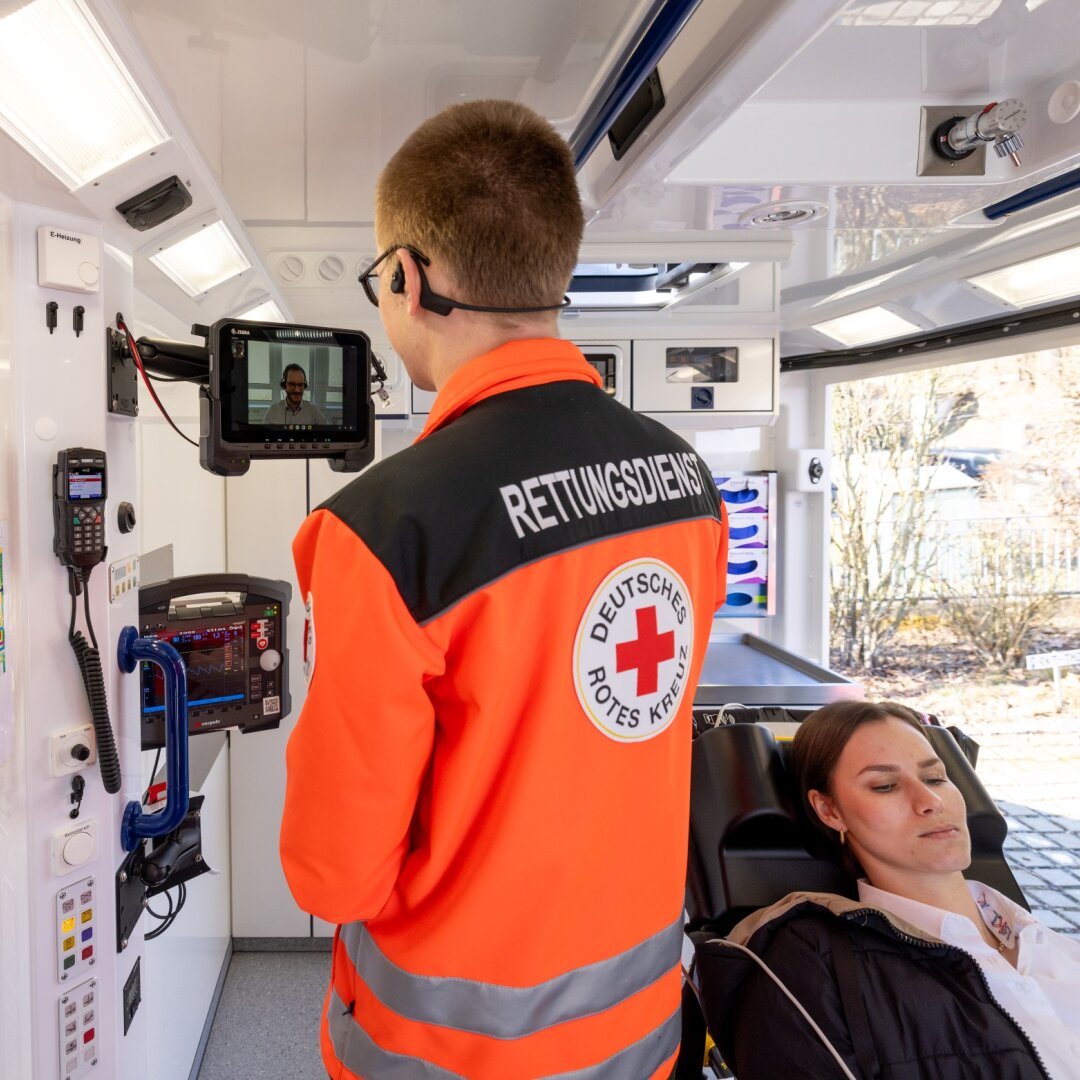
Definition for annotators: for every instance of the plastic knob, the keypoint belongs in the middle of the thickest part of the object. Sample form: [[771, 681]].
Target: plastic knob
[[125, 517], [1008, 147], [80, 752], [78, 849], [270, 660]]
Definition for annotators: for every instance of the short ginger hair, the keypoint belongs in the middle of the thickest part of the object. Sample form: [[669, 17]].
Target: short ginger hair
[[486, 190]]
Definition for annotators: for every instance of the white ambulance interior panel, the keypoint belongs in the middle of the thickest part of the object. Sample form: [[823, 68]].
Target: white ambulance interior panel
[[779, 196]]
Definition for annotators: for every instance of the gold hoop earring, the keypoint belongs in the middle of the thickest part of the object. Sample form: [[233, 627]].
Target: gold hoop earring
[[843, 838]]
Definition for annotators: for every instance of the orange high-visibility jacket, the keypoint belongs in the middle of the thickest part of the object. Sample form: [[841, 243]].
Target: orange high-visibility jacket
[[488, 786]]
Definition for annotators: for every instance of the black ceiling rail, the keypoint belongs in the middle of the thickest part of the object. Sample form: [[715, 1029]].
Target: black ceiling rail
[[658, 29], [1032, 196], [950, 337]]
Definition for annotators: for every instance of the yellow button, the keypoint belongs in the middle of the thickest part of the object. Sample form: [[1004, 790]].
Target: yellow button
[[67, 925], [88, 914], [69, 943]]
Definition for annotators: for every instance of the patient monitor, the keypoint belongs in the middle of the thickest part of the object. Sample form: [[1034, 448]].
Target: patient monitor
[[244, 371], [248, 361]]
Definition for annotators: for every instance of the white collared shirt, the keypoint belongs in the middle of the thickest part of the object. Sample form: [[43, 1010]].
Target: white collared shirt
[[1042, 993], [281, 412]]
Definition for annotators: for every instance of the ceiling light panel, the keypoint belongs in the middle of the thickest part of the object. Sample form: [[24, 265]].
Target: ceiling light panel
[[267, 311], [866, 326], [862, 286], [1034, 281], [66, 97], [919, 13], [202, 260]]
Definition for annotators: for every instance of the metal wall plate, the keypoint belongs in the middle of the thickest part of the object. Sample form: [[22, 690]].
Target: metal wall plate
[[132, 994], [130, 893], [123, 390], [930, 162]]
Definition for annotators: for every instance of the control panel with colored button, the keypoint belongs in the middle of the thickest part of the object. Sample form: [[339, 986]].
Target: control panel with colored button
[[78, 1031], [76, 929]]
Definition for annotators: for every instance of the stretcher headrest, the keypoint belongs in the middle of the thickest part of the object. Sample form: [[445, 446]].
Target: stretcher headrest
[[750, 842]]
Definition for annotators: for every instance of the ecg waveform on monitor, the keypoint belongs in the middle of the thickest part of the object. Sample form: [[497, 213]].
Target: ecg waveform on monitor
[[216, 663], [207, 669]]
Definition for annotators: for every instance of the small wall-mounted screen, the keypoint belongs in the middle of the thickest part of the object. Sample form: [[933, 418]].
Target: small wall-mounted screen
[[293, 387], [703, 364], [604, 363], [85, 486]]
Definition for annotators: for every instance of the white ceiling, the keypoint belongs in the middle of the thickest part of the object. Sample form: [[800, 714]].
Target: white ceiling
[[294, 108]]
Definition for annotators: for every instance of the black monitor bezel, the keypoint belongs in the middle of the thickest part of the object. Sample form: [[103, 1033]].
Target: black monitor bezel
[[154, 604], [255, 438]]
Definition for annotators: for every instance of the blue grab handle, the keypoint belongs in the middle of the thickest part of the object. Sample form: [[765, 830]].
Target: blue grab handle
[[137, 826]]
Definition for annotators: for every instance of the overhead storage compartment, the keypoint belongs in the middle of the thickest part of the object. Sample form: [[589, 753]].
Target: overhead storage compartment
[[723, 53]]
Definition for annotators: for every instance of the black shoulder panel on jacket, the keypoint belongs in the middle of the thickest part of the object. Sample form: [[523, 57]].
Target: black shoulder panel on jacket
[[517, 477]]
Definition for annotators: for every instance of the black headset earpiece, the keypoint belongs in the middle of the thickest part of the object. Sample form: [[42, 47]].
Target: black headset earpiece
[[397, 280]]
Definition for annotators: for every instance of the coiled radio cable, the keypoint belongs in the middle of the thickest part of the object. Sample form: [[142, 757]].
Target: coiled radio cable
[[89, 661]]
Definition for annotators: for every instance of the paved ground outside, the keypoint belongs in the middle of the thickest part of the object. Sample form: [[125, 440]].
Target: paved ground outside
[[1033, 772]]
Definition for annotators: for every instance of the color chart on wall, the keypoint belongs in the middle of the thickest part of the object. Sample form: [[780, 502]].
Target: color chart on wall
[[750, 500]]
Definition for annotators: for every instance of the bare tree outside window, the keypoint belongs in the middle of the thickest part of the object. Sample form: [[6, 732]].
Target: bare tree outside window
[[885, 432], [957, 498], [1019, 557]]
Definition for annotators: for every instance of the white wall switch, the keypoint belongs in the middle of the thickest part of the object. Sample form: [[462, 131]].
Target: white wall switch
[[73, 845], [68, 260]]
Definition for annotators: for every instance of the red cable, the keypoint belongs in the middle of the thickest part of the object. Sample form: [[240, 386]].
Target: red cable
[[146, 380]]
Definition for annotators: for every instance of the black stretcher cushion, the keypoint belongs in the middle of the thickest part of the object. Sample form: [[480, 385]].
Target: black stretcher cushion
[[750, 843]]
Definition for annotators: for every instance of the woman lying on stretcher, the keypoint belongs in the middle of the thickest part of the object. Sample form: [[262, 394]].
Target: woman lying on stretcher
[[927, 975]]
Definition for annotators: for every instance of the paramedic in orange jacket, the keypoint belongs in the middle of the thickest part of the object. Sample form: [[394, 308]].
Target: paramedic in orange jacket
[[488, 785]]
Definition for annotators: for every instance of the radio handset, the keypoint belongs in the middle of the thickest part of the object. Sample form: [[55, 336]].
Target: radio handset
[[80, 487]]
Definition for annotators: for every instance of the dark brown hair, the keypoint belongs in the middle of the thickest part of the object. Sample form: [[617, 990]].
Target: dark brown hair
[[486, 189], [817, 747]]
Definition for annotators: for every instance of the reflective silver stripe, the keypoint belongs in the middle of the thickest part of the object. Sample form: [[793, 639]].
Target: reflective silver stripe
[[361, 1055], [509, 1012], [638, 1060]]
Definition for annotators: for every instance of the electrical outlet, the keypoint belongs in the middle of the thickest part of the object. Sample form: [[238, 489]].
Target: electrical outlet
[[72, 750], [811, 472]]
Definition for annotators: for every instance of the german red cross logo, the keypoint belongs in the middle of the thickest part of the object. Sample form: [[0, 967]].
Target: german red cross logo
[[647, 653], [632, 651], [309, 637]]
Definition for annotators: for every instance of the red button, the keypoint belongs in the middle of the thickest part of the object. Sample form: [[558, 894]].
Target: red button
[[88, 952], [88, 1035], [262, 643]]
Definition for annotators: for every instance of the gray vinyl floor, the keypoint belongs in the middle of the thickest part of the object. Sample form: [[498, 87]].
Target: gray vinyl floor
[[267, 1023]]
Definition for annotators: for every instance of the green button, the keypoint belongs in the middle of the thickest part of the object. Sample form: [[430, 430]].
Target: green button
[[69, 961]]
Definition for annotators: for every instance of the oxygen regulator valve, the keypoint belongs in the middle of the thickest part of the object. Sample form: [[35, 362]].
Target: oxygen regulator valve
[[998, 123]]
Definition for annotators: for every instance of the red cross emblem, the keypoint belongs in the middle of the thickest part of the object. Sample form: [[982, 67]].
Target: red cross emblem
[[647, 653]]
